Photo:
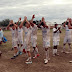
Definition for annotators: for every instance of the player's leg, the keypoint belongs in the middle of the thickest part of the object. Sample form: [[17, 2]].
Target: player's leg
[[54, 48], [46, 55], [35, 49], [29, 60], [15, 50], [64, 43]]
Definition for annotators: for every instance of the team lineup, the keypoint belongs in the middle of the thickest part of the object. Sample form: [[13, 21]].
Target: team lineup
[[30, 38]]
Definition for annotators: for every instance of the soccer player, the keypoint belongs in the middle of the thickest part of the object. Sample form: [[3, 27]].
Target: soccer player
[[34, 37], [13, 27], [46, 38], [1, 35], [27, 38], [19, 36], [67, 38], [56, 39]]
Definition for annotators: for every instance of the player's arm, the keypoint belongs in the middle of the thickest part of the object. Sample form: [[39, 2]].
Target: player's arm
[[27, 21], [55, 30], [59, 29], [69, 26], [21, 25], [15, 26], [32, 18], [8, 27]]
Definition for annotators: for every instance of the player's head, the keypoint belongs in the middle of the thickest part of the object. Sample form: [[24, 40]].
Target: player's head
[[43, 18], [34, 22], [11, 21], [56, 25]]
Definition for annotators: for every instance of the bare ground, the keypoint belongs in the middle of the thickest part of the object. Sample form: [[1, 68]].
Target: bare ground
[[56, 64]]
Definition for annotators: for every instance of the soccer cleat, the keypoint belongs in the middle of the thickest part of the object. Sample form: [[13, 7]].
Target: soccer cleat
[[28, 62], [13, 57], [46, 61], [36, 56], [20, 52], [70, 61], [67, 52], [57, 54]]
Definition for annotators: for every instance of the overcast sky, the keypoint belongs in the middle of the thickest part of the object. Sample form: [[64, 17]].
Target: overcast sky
[[52, 10]]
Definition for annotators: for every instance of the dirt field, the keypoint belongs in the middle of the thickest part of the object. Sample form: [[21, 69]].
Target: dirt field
[[56, 64]]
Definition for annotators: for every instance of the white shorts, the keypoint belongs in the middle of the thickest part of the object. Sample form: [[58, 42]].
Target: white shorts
[[46, 44], [34, 42], [20, 41], [26, 45], [0, 39], [67, 39], [14, 43], [55, 43]]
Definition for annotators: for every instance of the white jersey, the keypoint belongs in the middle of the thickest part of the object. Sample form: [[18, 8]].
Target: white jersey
[[56, 36], [1, 33], [34, 31], [68, 31], [13, 34], [27, 33], [46, 33], [20, 32]]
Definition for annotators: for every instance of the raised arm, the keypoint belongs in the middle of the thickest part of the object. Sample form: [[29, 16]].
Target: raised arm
[[21, 25], [8, 27], [69, 25]]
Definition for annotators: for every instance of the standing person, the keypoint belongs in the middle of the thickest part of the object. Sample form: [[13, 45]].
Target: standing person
[[67, 38], [1, 37], [46, 38], [13, 27], [34, 37], [56, 39], [27, 38], [19, 36]]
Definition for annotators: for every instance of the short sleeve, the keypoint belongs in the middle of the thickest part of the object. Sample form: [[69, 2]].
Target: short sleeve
[[54, 29]]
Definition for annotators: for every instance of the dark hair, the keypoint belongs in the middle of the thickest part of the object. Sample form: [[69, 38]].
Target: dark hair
[[15, 22], [42, 23], [11, 25], [34, 22]]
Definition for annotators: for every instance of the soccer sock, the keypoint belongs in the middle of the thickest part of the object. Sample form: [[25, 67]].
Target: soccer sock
[[69, 48], [18, 48], [14, 54], [53, 51], [17, 53], [36, 50], [47, 54], [64, 48], [56, 51]]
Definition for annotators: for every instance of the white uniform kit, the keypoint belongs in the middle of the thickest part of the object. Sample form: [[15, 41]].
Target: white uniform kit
[[34, 35], [1, 35], [46, 37], [27, 35], [14, 39], [20, 35], [67, 38], [56, 37]]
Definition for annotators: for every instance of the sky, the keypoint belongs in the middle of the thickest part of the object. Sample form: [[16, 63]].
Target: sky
[[53, 10]]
